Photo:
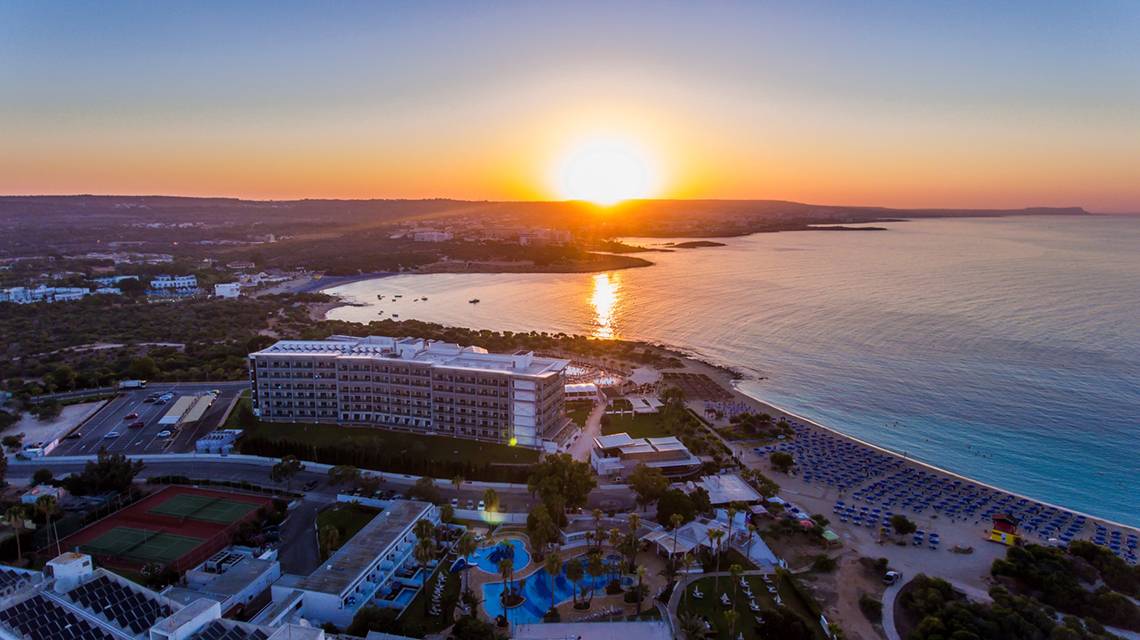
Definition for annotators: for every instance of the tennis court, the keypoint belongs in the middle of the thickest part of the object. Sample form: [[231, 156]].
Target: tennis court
[[141, 544], [203, 507]]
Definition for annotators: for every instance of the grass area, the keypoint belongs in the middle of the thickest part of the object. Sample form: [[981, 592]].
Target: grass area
[[710, 605], [417, 617], [644, 425], [405, 444], [579, 412], [348, 518]]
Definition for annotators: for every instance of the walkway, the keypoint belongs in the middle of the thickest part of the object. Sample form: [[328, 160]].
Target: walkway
[[580, 450]]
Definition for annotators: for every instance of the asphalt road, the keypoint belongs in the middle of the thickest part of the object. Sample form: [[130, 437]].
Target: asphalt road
[[112, 418], [615, 497]]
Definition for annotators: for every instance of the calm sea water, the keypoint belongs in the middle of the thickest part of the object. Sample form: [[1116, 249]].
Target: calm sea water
[[1005, 349]]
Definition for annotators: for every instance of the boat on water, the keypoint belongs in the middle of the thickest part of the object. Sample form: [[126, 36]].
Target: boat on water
[[474, 300], [379, 296], [395, 315]]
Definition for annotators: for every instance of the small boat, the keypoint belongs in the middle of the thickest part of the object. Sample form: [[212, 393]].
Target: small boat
[[395, 315], [474, 300], [379, 297], [398, 295], [424, 298]]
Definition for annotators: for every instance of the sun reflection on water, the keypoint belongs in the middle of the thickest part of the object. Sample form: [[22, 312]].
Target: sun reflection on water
[[607, 290]]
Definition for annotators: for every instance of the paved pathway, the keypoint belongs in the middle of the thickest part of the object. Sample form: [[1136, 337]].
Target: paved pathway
[[580, 450]]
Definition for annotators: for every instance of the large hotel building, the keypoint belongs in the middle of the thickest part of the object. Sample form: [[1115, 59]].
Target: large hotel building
[[413, 384]]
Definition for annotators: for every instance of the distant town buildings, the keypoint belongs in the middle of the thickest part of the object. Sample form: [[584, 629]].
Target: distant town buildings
[[26, 295], [411, 383], [430, 235], [227, 290], [174, 286]]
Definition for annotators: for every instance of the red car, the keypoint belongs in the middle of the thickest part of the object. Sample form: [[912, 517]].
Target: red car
[[137, 424], [130, 416]]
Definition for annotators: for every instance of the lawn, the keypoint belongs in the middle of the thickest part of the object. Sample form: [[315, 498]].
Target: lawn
[[435, 448], [347, 517], [711, 606], [642, 425], [415, 616], [579, 412]]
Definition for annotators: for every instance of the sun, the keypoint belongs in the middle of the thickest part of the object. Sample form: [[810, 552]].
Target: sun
[[605, 170]]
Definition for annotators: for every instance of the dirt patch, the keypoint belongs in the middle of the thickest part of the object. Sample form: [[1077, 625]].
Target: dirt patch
[[839, 591]]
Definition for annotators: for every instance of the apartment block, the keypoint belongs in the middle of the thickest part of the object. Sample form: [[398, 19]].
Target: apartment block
[[413, 384]]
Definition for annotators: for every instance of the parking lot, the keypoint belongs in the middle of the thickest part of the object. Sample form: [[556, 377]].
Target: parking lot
[[94, 435]]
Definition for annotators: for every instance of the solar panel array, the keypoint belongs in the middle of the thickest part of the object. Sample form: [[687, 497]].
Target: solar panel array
[[38, 618], [11, 581], [218, 630], [125, 607]]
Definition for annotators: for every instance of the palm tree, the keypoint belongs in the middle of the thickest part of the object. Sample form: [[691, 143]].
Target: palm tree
[[640, 579], [730, 618], [597, 513], [465, 546], [423, 529], [736, 570], [553, 566], [457, 482], [329, 538], [16, 515], [506, 570], [491, 500], [615, 542], [731, 521], [634, 524], [595, 569], [751, 535], [574, 573], [686, 561], [715, 536], [676, 519], [424, 552], [48, 506], [692, 627]]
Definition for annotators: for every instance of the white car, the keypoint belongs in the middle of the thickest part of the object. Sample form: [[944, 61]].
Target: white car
[[892, 577], [455, 503], [482, 505], [165, 433], [111, 434]]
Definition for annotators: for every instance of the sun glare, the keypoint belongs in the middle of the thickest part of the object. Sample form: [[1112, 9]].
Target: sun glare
[[605, 171]]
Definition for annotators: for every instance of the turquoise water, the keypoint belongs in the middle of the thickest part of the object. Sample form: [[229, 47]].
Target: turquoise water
[[487, 558], [1004, 349], [536, 591]]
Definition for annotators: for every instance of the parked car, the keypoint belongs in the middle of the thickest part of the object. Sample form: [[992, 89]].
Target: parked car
[[111, 434], [891, 577], [75, 435], [165, 433], [455, 503], [130, 416], [482, 505]]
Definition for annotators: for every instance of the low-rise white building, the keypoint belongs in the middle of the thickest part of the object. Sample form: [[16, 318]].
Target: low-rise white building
[[174, 286], [227, 290], [233, 577], [430, 235], [25, 295], [375, 567], [618, 454]]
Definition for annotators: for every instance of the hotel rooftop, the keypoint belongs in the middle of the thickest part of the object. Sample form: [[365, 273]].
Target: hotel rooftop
[[444, 354]]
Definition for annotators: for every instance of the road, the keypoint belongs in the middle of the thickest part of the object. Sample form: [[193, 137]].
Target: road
[[112, 418], [607, 497]]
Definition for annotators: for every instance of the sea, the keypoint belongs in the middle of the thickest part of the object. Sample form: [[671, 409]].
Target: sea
[[1003, 349]]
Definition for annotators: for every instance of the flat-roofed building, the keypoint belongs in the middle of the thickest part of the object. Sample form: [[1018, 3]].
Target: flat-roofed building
[[366, 570], [618, 453], [411, 383]]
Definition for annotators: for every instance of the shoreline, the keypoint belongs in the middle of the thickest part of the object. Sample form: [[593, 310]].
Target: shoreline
[[924, 465]]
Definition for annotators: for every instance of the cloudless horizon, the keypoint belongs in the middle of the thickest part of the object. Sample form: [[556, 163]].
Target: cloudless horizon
[[963, 105]]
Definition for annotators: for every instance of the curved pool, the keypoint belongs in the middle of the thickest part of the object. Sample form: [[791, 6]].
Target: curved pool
[[487, 558], [536, 591]]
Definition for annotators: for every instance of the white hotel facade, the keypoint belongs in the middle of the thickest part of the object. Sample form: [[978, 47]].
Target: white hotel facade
[[411, 384]]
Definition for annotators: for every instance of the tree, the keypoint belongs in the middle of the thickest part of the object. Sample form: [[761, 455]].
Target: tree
[[48, 507], [47, 410], [595, 568], [648, 483], [471, 628], [782, 461], [457, 482], [676, 520], [342, 474], [730, 617], [735, 570], [446, 513], [110, 472], [424, 552], [16, 516], [12, 441], [715, 536], [598, 536], [561, 482], [553, 566], [62, 378], [751, 536], [285, 470], [541, 529], [464, 547], [491, 500], [675, 502], [902, 525], [329, 539], [425, 489], [506, 570], [640, 588], [42, 475], [731, 520], [574, 573], [692, 627], [142, 368], [686, 562]]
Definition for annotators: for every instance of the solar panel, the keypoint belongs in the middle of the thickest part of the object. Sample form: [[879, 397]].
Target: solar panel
[[121, 605], [39, 618], [219, 630]]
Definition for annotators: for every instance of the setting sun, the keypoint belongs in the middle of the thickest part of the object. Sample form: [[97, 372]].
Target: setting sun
[[605, 170]]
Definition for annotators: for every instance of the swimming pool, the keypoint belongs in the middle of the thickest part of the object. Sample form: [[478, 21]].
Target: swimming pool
[[537, 594], [487, 558]]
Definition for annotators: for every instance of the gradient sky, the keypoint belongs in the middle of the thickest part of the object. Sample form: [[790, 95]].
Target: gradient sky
[[901, 104]]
